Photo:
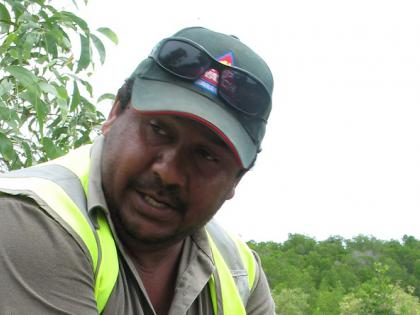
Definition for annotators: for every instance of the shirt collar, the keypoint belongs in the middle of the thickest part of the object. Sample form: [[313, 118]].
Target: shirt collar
[[96, 198]]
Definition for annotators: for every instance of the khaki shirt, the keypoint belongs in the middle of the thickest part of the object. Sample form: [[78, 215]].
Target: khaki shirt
[[46, 270]]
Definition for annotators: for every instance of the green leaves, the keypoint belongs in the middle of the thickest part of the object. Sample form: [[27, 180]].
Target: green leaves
[[106, 96], [109, 34], [379, 296], [51, 44], [84, 59], [75, 100], [6, 148], [24, 77], [362, 276], [4, 19], [291, 302], [75, 20], [99, 47], [46, 99], [51, 150], [8, 117], [29, 42]]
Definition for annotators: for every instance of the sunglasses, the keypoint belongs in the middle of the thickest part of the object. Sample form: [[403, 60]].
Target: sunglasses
[[236, 87]]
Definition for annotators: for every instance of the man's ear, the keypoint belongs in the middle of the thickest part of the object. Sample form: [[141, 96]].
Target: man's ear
[[231, 193], [113, 114], [232, 190], [238, 178]]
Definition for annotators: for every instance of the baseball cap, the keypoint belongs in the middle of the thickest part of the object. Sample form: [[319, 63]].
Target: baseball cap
[[158, 91]]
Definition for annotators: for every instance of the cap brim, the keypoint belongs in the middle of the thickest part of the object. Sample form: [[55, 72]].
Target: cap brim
[[163, 97]]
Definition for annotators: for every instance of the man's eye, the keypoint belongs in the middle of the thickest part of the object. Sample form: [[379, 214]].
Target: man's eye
[[205, 154], [158, 129]]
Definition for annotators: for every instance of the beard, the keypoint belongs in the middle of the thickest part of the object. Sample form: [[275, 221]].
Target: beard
[[133, 232]]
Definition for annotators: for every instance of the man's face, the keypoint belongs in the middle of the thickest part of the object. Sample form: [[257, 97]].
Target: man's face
[[163, 177]]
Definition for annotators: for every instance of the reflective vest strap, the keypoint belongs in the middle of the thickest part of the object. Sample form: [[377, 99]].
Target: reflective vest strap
[[78, 161], [237, 256], [57, 200], [231, 300], [247, 258], [213, 294], [108, 268]]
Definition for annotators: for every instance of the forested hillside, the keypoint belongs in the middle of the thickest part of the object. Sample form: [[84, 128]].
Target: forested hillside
[[360, 276]]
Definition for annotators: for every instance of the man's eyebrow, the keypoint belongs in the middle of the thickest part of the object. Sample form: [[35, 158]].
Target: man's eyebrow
[[216, 139], [211, 135]]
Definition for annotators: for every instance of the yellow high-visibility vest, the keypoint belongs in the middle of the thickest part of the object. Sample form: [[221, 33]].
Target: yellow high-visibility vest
[[60, 187]]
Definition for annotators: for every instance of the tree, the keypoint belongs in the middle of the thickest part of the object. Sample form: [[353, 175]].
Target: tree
[[45, 97], [362, 276], [328, 302], [379, 296], [405, 303], [291, 302]]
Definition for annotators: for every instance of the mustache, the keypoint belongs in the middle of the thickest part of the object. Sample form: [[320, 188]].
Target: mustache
[[171, 193]]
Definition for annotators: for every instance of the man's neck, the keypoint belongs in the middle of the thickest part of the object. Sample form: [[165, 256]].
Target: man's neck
[[157, 267], [150, 258]]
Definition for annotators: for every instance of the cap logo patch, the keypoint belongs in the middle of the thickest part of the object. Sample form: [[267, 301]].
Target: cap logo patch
[[210, 79]]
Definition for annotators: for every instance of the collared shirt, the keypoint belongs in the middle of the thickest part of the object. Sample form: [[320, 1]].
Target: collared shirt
[[44, 269]]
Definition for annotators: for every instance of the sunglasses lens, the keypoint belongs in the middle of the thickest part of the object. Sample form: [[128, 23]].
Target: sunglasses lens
[[236, 87], [183, 59], [243, 92]]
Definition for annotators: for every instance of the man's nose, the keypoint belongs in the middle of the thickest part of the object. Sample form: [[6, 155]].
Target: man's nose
[[170, 166]]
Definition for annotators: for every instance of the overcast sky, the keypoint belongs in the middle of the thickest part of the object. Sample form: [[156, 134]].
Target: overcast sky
[[342, 151]]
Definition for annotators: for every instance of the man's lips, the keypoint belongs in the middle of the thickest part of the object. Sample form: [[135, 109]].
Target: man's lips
[[155, 203], [161, 201]]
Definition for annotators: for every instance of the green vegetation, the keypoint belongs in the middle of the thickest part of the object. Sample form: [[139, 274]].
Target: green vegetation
[[45, 97], [361, 276]]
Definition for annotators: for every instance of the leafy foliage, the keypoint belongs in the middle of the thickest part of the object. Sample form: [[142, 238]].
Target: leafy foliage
[[361, 276], [291, 302], [45, 98], [379, 296]]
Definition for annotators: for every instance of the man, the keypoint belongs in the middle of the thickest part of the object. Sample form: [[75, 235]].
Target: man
[[124, 226]]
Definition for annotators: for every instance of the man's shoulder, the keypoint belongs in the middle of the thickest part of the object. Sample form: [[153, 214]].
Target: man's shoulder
[[38, 257], [27, 230], [29, 226]]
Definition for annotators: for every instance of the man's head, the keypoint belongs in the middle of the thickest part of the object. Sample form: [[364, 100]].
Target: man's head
[[210, 77], [183, 129]]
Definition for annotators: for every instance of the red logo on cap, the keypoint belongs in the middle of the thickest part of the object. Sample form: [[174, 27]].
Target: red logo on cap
[[212, 75], [210, 78]]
